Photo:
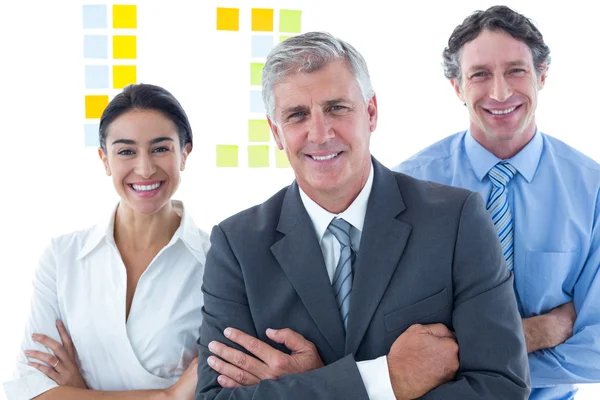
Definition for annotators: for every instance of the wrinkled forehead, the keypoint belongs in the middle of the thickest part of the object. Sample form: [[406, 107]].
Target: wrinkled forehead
[[335, 80], [494, 48]]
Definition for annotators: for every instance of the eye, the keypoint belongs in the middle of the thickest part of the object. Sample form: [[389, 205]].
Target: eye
[[160, 150], [126, 153], [337, 108], [518, 71], [297, 115], [479, 75]]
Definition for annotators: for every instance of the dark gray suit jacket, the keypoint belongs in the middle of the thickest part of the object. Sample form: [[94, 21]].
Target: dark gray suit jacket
[[429, 253]]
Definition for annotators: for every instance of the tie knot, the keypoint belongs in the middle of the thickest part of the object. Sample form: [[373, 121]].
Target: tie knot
[[341, 230], [501, 174]]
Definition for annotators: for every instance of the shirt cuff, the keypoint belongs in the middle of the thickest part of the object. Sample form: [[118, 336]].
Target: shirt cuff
[[28, 386], [376, 378]]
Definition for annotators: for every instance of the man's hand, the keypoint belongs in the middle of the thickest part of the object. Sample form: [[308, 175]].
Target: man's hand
[[421, 359], [239, 369], [551, 329]]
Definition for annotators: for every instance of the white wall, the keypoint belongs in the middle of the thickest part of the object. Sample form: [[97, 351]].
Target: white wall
[[52, 184]]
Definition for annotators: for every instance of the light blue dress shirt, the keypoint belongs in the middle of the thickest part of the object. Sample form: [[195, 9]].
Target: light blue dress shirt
[[555, 204]]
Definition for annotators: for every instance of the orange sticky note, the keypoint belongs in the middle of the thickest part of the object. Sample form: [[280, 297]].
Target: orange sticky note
[[95, 105]]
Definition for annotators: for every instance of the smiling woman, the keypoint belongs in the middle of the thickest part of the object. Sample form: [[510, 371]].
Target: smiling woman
[[117, 307]]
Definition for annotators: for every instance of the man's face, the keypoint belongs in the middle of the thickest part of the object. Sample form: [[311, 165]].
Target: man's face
[[324, 125], [500, 87]]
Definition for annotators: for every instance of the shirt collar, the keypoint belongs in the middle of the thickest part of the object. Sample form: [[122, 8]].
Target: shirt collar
[[187, 231], [526, 161], [354, 214]]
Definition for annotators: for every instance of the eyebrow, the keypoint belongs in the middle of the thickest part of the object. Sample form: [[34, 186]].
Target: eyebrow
[[151, 142], [295, 109], [518, 63]]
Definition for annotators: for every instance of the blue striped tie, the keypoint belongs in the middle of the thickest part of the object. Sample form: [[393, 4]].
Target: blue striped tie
[[342, 278], [499, 208]]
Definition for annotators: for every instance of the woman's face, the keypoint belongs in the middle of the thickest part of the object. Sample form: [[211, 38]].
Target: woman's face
[[144, 157]]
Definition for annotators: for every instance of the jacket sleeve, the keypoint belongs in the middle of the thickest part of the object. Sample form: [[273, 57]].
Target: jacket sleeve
[[492, 351]]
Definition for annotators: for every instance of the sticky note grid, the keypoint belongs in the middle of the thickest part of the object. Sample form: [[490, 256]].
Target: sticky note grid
[[266, 27], [110, 59]]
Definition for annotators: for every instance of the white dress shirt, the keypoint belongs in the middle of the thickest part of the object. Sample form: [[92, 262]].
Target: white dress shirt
[[81, 279], [374, 373]]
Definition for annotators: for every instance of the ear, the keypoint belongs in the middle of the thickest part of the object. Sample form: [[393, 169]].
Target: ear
[[185, 152], [104, 159], [457, 89], [372, 110], [542, 77], [276, 134]]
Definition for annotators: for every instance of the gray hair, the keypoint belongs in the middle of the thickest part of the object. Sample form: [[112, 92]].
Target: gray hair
[[497, 18], [307, 53]]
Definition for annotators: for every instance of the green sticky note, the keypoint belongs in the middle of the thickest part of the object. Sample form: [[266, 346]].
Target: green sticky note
[[283, 37], [289, 21], [258, 156], [258, 130], [227, 155], [281, 160], [256, 73]]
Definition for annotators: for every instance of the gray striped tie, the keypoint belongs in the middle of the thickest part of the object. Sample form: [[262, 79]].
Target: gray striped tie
[[499, 208], [342, 279]]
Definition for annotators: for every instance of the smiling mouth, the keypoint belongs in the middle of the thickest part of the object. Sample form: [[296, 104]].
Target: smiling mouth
[[503, 112], [325, 158], [146, 188]]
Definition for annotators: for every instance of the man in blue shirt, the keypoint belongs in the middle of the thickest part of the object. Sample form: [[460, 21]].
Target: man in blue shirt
[[543, 195]]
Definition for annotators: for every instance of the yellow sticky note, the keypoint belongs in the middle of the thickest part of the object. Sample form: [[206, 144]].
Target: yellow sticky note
[[124, 16], [228, 19], [281, 160], [258, 130], [258, 156], [283, 37], [95, 105], [227, 155], [124, 47], [256, 73], [124, 75], [262, 19]]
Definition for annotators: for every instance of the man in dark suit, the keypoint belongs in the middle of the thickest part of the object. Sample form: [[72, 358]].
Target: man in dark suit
[[398, 286]]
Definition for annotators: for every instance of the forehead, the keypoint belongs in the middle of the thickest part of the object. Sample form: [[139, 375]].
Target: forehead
[[334, 81], [492, 48], [141, 124]]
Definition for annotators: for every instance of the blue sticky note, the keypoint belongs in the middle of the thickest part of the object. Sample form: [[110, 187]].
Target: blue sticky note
[[95, 46], [94, 17], [96, 76], [91, 138], [256, 103], [261, 45]]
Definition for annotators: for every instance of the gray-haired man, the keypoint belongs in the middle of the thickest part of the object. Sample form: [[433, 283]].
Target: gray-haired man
[[384, 275]]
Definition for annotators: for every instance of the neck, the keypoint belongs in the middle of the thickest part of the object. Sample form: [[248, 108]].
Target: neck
[[142, 231], [504, 148], [336, 200]]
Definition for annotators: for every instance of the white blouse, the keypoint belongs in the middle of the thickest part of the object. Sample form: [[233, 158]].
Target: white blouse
[[81, 279]]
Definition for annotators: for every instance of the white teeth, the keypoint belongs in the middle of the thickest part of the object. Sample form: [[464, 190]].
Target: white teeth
[[323, 158], [146, 188], [500, 112]]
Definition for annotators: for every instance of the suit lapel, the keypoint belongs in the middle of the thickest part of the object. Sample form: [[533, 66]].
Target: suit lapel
[[300, 256], [382, 243]]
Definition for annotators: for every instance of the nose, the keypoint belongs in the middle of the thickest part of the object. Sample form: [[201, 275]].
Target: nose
[[319, 128], [145, 166], [500, 90]]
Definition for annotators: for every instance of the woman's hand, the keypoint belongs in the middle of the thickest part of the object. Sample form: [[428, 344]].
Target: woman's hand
[[185, 387], [62, 367]]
